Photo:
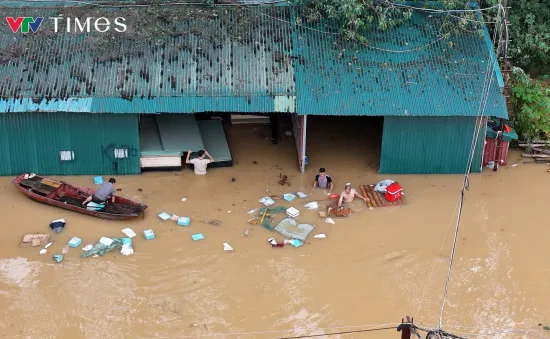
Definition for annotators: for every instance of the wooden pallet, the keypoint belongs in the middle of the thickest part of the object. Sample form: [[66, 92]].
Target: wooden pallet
[[377, 199]]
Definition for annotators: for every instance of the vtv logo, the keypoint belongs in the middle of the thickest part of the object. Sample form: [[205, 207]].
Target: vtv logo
[[25, 23]]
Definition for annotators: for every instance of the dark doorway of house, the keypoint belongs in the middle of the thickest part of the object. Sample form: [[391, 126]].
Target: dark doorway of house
[[262, 138], [347, 143]]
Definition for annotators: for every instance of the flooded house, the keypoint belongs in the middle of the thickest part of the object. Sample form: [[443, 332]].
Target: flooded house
[[124, 101]]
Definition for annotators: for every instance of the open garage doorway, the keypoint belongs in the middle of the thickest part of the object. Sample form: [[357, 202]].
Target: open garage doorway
[[166, 138], [344, 144], [230, 139], [263, 139]]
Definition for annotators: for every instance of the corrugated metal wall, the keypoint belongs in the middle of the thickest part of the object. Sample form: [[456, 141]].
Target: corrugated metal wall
[[429, 145], [32, 142]]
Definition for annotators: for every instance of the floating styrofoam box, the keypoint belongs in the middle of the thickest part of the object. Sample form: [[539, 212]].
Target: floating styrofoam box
[[289, 197], [184, 221], [164, 216], [292, 212], [267, 201], [98, 180], [197, 236], [106, 241], [149, 234], [296, 242], [74, 242], [129, 232], [160, 161]]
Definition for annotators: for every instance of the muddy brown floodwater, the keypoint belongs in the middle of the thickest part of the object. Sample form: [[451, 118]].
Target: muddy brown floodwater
[[373, 268]]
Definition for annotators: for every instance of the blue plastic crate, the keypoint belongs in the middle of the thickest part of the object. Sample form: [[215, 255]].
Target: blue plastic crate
[[197, 236], [75, 242], [289, 197], [149, 234], [184, 221]]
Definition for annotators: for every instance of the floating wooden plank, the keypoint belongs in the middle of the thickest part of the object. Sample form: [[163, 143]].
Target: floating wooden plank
[[380, 199], [364, 191], [35, 240], [547, 142], [526, 155], [377, 199], [541, 150], [533, 145], [51, 183]]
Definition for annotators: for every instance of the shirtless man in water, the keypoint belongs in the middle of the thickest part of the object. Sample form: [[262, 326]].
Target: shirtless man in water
[[348, 195]]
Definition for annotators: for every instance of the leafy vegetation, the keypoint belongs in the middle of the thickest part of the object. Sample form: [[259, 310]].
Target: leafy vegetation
[[355, 17], [531, 102], [530, 35], [530, 49]]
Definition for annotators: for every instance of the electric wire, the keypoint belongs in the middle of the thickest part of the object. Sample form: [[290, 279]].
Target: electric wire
[[503, 332], [482, 107], [341, 329], [176, 3], [339, 333], [435, 10], [474, 142], [336, 330], [442, 37]]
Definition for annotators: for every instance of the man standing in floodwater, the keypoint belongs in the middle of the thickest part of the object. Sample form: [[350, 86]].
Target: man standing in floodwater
[[106, 190], [323, 180], [348, 195], [199, 163]]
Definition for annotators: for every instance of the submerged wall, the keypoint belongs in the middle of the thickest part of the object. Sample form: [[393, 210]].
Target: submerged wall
[[429, 145], [61, 143]]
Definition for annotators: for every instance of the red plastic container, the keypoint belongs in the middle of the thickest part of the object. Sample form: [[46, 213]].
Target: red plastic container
[[393, 192]]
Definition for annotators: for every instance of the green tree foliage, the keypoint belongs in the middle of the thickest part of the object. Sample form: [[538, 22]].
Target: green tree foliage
[[530, 34], [531, 101], [355, 17]]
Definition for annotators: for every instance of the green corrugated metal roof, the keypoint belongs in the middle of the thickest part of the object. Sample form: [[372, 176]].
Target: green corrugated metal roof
[[217, 59], [438, 80], [237, 59]]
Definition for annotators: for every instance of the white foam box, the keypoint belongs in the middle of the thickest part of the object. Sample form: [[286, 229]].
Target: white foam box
[[293, 212]]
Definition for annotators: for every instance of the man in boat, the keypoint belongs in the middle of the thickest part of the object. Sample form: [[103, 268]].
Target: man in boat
[[323, 180], [348, 195], [105, 191], [199, 163]]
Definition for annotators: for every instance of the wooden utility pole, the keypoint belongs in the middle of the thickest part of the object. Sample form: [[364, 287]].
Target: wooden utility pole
[[405, 328], [503, 41]]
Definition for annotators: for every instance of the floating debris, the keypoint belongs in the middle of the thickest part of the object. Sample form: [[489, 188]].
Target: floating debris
[[34, 240], [284, 180], [213, 222]]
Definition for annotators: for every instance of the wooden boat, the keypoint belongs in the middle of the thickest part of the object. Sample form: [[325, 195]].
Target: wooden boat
[[70, 197]]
